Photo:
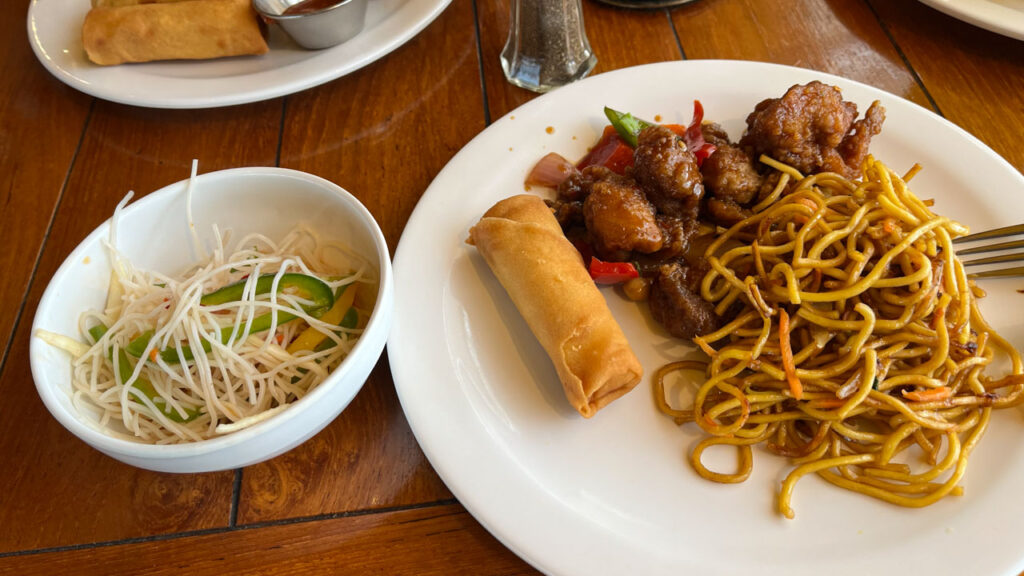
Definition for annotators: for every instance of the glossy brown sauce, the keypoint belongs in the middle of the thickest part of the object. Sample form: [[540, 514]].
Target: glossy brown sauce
[[307, 6]]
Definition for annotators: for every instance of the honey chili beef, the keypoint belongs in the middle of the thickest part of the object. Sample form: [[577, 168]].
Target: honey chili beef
[[646, 200]]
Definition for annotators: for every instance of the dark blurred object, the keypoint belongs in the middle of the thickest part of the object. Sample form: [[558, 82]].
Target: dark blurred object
[[645, 4]]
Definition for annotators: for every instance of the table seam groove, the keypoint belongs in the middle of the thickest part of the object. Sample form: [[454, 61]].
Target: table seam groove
[[675, 33], [45, 240], [228, 529], [906, 61], [280, 132], [236, 494], [480, 65]]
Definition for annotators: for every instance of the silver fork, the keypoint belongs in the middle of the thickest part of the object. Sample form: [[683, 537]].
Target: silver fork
[[998, 259]]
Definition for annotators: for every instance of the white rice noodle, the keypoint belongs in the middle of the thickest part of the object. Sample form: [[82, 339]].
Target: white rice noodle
[[240, 382]]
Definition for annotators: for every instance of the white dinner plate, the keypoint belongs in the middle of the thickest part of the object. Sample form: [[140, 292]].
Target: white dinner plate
[[1004, 17], [615, 494], [55, 33]]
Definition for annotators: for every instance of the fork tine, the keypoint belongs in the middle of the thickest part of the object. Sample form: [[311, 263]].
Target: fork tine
[[992, 247], [1012, 257], [1003, 273], [994, 233], [989, 234]]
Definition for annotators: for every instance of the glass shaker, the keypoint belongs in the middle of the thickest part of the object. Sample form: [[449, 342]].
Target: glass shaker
[[547, 46]]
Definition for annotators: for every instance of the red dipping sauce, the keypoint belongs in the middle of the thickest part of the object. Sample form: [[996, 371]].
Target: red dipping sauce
[[307, 6]]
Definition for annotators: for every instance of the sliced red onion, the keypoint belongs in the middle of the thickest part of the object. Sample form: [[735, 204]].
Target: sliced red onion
[[550, 171]]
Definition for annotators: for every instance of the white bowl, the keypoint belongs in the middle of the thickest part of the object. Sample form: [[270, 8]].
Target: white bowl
[[154, 234]]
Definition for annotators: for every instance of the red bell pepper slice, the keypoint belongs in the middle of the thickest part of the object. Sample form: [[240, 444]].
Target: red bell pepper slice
[[611, 272], [694, 137], [610, 152]]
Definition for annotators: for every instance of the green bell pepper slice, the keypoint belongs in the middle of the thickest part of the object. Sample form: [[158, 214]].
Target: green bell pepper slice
[[305, 286], [141, 385], [627, 125]]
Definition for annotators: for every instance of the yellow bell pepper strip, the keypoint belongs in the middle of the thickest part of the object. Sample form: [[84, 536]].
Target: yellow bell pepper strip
[[141, 385], [311, 338], [351, 321], [304, 286]]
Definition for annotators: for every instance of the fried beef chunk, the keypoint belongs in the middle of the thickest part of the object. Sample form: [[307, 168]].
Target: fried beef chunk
[[667, 172], [768, 185], [714, 134], [724, 212], [677, 233], [568, 207], [812, 129], [731, 179], [854, 147], [579, 183], [729, 174], [682, 311], [568, 214], [620, 219]]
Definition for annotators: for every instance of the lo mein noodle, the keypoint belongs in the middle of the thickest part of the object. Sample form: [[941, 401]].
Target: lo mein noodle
[[858, 341]]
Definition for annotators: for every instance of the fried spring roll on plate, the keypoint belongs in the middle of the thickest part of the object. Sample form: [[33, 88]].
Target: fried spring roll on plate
[[546, 279], [191, 30]]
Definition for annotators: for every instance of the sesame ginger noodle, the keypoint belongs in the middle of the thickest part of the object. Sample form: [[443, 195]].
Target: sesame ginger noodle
[[255, 326]]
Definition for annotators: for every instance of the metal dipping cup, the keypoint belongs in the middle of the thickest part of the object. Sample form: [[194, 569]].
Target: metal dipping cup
[[318, 29]]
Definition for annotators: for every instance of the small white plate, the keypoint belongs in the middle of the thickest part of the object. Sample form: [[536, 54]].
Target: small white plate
[[615, 494], [1004, 17], [55, 33]]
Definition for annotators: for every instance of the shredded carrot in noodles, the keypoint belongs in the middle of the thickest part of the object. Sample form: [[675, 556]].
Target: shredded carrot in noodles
[[786, 349]]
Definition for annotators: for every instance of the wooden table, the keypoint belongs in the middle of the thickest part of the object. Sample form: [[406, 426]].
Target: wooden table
[[359, 498]]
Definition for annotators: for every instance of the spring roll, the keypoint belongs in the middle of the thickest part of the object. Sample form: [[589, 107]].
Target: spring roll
[[547, 281], [191, 30]]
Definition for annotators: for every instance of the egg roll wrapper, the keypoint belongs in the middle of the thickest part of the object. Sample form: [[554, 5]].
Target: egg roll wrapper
[[547, 281], [189, 30]]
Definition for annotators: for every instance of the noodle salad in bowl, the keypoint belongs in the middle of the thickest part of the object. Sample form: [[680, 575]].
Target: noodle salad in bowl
[[189, 344]]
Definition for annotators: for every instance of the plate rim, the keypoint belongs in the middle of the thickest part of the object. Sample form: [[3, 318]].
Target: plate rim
[[985, 17]]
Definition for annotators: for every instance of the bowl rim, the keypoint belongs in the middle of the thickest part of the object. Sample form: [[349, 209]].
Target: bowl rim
[[49, 391], [257, 5]]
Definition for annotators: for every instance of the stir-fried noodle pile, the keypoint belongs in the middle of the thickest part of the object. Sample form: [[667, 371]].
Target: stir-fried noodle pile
[[858, 339]]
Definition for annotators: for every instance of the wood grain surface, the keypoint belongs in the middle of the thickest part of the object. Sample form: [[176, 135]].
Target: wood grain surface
[[360, 497], [434, 541], [975, 77], [101, 499], [835, 36], [41, 124], [385, 151]]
